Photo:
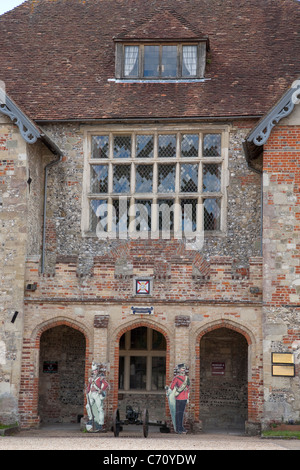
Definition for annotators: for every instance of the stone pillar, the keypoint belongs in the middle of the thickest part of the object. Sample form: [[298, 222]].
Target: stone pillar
[[100, 338]]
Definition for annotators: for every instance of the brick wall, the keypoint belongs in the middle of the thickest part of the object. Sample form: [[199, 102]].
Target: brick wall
[[194, 294], [281, 271], [13, 231]]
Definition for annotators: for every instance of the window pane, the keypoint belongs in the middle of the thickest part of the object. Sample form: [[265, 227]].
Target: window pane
[[122, 341], [189, 61], [165, 214], [151, 61], [211, 178], [142, 215], [99, 178], [122, 146], [121, 372], [120, 217], [167, 146], [138, 338], [189, 215], [158, 341], [144, 146], [169, 61], [131, 61], [138, 372], [212, 213], [166, 178], [212, 145], [144, 178], [189, 178], [98, 214], [121, 179], [158, 373], [100, 146], [189, 145]]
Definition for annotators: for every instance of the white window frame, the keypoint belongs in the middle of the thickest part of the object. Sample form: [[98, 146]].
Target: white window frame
[[177, 196]]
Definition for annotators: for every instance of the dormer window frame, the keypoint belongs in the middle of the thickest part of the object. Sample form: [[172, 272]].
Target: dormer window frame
[[140, 75]]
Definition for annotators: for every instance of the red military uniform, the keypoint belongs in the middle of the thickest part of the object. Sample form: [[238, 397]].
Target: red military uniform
[[178, 382], [98, 385], [181, 383]]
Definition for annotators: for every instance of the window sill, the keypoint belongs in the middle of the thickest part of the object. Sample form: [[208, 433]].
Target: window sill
[[159, 80], [153, 235]]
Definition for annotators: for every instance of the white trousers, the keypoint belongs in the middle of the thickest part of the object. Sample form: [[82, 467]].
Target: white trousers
[[95, 398]]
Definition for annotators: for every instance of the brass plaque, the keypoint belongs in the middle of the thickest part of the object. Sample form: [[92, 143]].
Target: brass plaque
[[282, 358], [283, 370]]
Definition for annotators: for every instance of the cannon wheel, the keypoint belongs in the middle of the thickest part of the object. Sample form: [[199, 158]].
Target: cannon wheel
[[116, 423], [145, 422]]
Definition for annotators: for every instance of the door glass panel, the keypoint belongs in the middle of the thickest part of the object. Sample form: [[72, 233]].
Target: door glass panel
[[158, 373], [138, 372]]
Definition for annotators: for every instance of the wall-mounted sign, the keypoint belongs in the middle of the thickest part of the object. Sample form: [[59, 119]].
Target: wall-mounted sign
[[282, 358], [283, 370], [142, 287], [283, 365], [50, 367], [142, 310], [218, 368]]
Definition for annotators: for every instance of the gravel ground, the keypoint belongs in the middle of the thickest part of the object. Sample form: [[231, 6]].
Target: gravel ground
[[71, 438]]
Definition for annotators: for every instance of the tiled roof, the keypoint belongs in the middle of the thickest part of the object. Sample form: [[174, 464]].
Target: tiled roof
[[57, 57], [166, 24]]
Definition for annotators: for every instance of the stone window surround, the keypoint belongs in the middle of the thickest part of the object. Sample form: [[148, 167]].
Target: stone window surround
[[155, 129]]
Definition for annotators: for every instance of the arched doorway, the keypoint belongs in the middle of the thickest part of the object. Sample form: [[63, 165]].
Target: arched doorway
[[61, 375], [142, 371], [223, 380]]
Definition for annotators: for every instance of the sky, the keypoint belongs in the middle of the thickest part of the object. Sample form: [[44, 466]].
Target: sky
[[6, 5]]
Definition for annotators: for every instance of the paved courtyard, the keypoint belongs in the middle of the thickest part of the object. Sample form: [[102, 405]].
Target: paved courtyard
[[69, 437]]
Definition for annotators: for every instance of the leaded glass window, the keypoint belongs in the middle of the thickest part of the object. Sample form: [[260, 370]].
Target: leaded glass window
[[166, 178], [144, 146], [166, 181], [212, 214], [122, 146], [144, 178], [121, 179], [189, 178], [167, 146], [161, 61]]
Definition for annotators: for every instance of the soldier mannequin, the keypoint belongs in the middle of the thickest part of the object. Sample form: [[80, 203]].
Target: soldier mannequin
[[181, 384], [96, 392]]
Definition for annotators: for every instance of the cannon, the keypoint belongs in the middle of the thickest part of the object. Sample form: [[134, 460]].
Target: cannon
[[136, 418]]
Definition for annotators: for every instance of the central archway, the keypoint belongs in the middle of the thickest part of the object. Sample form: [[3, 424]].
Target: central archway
[[142, 366]]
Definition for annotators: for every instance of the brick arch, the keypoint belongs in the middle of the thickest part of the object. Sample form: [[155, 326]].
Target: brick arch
[[226, 324], [253, 386], [29, 388], [116, 342], [52, 323]]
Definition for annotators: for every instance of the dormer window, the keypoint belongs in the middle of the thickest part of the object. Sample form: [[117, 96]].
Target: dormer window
[[166, 47], [148, 61]]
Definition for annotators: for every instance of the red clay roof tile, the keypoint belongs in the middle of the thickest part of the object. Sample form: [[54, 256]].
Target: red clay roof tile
[[57, 57]]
